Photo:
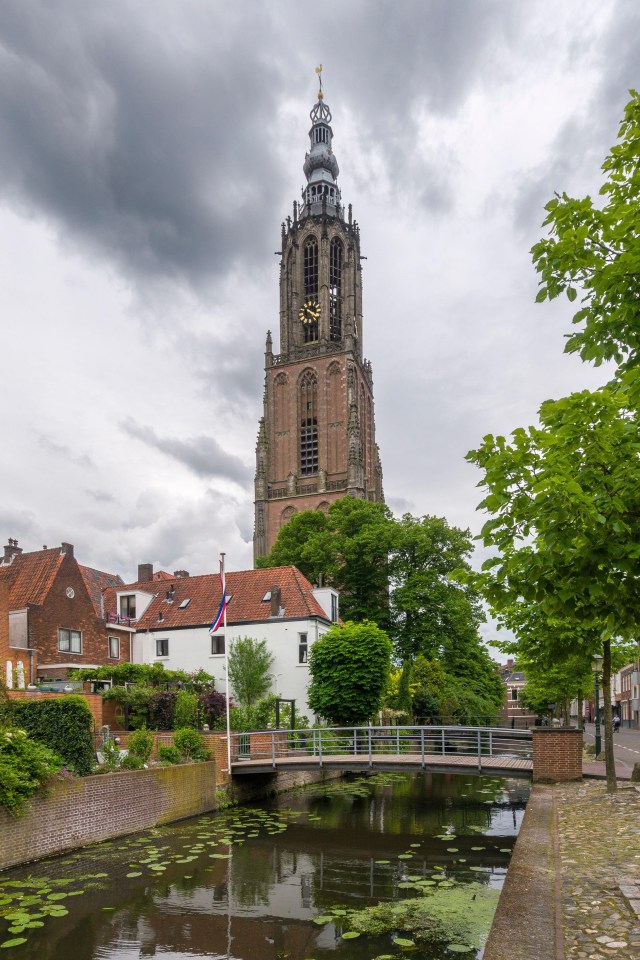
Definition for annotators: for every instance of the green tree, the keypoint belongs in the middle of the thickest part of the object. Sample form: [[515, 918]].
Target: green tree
[[349, 667], [348, 547], [565, 505], [249, 663], [596, 250], [431, 613], [303, 542]]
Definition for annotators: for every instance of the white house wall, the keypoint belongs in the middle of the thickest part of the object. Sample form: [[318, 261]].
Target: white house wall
[[190, 649]]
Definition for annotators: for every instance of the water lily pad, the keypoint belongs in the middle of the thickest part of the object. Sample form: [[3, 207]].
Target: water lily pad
[[16, 942], [458, 948], [135, 873], [350, 935], [405, 856], [383, 861], [401, 942], [322, 920], [478, 848], [453, 849]]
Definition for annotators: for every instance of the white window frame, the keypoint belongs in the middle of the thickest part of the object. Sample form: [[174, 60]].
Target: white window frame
[[303, 649], [218, 640], [71, 634], [128, 597], [116, 641], [164, 641]]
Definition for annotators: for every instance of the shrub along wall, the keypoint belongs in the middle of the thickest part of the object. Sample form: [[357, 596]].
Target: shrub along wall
[[86, 810], [63, 724]]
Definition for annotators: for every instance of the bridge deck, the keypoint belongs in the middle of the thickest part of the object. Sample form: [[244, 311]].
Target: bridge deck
[[449, 763]]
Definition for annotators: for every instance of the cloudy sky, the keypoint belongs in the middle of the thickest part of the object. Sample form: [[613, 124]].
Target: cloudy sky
[[148, 154]]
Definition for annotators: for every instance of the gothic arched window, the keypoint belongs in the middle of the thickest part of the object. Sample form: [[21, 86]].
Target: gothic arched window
[[310, 266], [308, 424], [286, 515], [335, 290]]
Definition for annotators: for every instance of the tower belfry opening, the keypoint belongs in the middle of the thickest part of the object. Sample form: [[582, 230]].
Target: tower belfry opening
[[316, 440]]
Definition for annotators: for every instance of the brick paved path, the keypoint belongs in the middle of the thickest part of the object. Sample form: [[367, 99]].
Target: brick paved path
[[598, 839]]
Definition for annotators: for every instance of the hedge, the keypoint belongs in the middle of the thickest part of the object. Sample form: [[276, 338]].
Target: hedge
[[63, 724]]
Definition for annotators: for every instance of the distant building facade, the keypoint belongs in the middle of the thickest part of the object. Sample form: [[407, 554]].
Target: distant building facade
[[514, 712]]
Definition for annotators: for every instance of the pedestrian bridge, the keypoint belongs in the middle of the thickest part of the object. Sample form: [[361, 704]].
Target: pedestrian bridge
[[448, 749]]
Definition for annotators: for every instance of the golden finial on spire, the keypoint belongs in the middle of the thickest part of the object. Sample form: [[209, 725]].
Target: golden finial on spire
[[319, 72]]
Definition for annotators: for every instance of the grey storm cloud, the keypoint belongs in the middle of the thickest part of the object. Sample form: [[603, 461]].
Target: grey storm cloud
[[203, 455], [138, 137], [138, 140]]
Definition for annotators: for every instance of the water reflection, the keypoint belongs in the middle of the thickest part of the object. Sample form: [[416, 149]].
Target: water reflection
[[173, 892]]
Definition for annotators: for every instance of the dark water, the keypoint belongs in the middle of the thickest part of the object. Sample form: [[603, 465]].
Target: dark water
[[250, 883]]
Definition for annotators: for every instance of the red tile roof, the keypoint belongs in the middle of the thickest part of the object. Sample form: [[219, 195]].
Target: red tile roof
[[31, 576], [246, 588], [96, 581]]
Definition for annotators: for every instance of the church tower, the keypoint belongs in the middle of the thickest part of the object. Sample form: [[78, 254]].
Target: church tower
[[316, 440]]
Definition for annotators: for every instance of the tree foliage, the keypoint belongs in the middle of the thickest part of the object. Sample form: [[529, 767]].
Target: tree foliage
[[349, 666], [348, 547], [249, 663], [565, 496], [595, 250], [25, 766]]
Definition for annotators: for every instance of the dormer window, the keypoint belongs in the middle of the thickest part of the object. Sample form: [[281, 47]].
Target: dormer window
[[128, 606]]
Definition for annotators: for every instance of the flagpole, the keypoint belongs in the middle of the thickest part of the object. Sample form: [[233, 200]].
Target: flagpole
[[226, 662]]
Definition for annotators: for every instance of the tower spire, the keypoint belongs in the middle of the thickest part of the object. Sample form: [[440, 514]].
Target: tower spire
[[322, 194]]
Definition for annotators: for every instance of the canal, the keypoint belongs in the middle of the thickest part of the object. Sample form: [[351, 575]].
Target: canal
[[389, 866]]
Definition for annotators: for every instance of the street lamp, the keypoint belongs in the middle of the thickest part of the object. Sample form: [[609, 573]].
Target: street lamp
[[596, 667]]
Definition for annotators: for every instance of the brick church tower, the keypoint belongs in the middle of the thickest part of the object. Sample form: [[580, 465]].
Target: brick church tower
[[316, 440]]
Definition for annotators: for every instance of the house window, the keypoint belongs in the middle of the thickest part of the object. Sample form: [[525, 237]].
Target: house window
[[114, 648], [162, 647], [334, 608], [69, 641], [128, 606], [302, 648], [217, 644], [514, 693]]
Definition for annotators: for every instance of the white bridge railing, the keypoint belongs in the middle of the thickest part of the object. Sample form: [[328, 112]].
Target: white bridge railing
[[371, 744]]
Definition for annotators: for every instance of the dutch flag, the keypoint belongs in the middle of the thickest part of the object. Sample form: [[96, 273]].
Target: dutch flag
[[219, 617]]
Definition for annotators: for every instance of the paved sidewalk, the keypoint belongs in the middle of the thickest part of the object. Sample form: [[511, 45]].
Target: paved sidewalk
[[598, 841], [572, 891]]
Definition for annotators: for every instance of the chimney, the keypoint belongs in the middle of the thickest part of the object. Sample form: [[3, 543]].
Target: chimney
[[275, 601], [510, 665], [180, 574], [67, 549], [11, 550], [145, 572]]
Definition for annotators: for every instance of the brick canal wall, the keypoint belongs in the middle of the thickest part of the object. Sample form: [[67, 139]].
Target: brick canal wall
[[86, 810]]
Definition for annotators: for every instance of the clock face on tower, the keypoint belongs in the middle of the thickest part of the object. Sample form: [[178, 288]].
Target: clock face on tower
[[309, 311]]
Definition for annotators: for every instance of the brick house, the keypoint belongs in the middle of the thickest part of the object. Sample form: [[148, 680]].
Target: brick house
[[172, 619], [52, 617], [514, 713], [628, 699]]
